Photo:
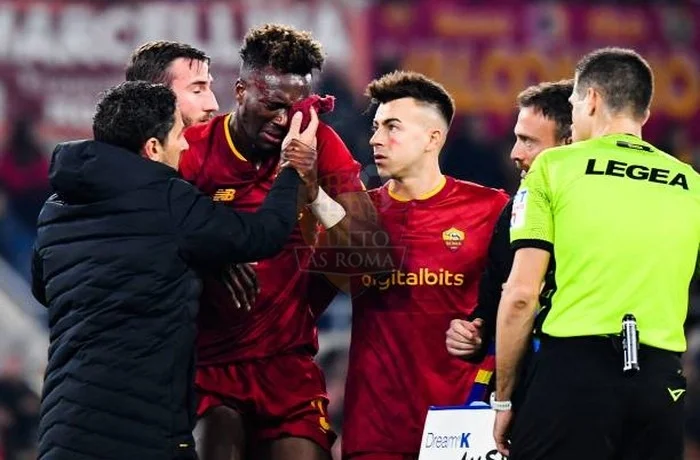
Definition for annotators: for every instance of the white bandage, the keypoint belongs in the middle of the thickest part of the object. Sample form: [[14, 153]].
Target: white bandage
[[328, 211]]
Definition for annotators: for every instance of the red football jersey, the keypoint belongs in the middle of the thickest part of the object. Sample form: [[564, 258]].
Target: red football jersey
[[398, 364], [281, 320]]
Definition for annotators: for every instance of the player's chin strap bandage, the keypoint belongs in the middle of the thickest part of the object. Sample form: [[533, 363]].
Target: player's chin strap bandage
[[328, 211]]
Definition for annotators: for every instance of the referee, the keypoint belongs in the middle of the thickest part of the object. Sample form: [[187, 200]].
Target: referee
[[622, 220]]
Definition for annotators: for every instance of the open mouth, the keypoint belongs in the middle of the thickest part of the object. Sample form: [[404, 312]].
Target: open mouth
[[272, 138]]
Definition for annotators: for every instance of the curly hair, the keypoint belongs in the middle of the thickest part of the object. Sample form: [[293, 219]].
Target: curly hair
[[401, 83], [551, 99], [132, 112], [623, 77], [283, 48], [151, 61]]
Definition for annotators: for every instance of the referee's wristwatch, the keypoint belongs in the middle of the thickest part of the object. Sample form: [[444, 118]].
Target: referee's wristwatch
[[500, 406]]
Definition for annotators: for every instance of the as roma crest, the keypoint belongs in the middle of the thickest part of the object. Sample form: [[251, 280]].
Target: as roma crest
[[453, 238]]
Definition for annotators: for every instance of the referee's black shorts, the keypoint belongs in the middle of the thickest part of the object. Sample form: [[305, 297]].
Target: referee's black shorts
[[580, 405]]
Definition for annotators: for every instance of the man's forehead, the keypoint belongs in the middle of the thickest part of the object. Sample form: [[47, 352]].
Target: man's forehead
[[398, 108], [271, 81], [531, 122], [287, 79], [189, 68]]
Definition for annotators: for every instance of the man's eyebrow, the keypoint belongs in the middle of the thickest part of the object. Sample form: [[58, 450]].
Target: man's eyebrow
[[524, 137], [386, 121], [276, 100], [200, 82]]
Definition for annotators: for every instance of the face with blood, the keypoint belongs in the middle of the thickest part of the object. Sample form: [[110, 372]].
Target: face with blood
[[264, 98]]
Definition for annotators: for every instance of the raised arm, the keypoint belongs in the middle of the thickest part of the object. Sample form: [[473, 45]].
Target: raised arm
[[212, 233]]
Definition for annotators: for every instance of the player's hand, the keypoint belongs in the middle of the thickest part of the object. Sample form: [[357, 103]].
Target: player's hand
[[463, 338], [242, 283], [501, 431], [307, 137], [299, 152]]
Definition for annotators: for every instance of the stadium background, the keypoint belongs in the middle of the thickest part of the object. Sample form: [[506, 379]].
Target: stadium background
[[55, 57]]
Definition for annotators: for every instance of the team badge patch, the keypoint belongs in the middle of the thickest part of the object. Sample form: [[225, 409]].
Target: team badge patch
[[453, 238], [517, 217]]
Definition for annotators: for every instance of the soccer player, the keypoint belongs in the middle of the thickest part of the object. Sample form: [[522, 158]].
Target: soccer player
[[186, 71], [182, 68], [544, 121], [260, 392], [623, 220], [398, 365]]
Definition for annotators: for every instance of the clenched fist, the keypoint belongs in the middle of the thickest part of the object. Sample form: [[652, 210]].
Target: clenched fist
[[464, 337]]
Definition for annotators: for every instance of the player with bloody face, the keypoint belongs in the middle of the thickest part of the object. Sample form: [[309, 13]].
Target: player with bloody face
[[260, 393]]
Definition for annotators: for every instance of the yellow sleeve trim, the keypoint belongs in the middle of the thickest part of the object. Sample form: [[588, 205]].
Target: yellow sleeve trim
[[227, 133]]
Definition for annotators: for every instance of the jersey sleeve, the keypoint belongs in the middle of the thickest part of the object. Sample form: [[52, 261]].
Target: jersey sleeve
[[338, 172], [531, 222]]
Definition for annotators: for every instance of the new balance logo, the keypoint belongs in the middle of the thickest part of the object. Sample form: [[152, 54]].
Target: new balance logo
[[676, 394], [224, 194]]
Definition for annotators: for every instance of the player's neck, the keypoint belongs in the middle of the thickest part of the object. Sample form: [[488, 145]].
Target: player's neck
[[421, 184], [616, 125]]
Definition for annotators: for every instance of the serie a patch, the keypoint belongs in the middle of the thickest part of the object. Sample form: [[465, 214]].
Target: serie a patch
[[517, 217]]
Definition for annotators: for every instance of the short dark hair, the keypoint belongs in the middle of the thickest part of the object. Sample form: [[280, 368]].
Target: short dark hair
[[151, 61], [283, 48], [401, 83], [132, 112], [623, 77], [551, 100]]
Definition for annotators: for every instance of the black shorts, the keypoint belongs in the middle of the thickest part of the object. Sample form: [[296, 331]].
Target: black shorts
[[580, 405]]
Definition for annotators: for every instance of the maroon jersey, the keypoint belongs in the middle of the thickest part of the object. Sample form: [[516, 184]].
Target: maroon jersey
[[281, 319], [399, 365]]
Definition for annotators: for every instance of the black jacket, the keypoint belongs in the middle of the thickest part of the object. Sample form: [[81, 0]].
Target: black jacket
[[115, 259], [496, 272], [498, 265]]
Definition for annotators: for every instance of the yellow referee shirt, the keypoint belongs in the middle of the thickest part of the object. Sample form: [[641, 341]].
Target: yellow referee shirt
[[622, 220]]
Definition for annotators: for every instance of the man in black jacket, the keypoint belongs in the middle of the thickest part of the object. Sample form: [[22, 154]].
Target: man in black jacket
[[544, 121], [118, 247]]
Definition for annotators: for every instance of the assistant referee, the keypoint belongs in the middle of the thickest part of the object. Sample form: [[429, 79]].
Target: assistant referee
[[622, 220]]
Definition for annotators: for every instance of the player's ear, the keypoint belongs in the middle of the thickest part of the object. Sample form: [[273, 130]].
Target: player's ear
[[437, 139], [151, 149], [593, 100], [647, 114], [239, 90], [566, 138]]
